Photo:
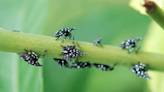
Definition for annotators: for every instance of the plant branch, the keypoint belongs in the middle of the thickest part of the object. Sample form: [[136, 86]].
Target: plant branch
[[16, 42], [155, 12]]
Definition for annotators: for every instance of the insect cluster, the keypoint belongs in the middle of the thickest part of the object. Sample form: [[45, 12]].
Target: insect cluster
[[71, 51], [139, 69]]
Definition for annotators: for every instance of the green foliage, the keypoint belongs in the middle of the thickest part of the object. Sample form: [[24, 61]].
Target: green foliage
[[93, 19], [17, 75], [153, 44]]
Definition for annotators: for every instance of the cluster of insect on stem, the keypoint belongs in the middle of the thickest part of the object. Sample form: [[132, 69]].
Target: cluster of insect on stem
[[70, 51], [139, 69]]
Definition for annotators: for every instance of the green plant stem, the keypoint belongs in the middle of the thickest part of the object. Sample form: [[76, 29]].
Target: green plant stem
[[16, 42], [155, 12]]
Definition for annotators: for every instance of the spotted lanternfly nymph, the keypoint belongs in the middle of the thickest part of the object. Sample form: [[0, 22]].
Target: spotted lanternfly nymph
[[70, 51], [31, 57], [140, 70], [66, 32], [76, 64], [131, 44], [98, 41], [62, 62], [81, 65], [104, 67]]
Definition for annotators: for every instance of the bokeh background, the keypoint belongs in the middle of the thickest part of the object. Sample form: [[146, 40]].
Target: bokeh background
[[113, 20]]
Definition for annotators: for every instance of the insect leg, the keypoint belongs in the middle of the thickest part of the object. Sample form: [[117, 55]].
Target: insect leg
[[26, 50], [62, 46], [138, 47], [73, 38], [100, 44], [57, 38], [78, 46], [64, 39], [131, 50], [113, 66], [70, 36], [67, 59], [43, 54]]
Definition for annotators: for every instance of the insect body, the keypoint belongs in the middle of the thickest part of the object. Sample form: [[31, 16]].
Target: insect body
[[62, 62], [71, 52], [76, 64], [140, 70], [104, 67], [66, 32], [98, 41], [31, 57], [81, 65], [131, 44]]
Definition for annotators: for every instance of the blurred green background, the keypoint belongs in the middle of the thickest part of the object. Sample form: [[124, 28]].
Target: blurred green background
[[113, 20]]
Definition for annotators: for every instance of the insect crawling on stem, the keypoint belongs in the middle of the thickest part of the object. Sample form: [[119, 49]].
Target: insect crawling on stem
[[140, 70], [104, 67], [70, 51], [97, 41], [131, 44], [31, 57], [64, 32]]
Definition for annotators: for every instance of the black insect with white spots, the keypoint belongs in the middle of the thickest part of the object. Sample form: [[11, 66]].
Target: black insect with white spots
[[64, 32], [31, 57], [70, 51], [97, 41], [81, 65], [140, 70], [76, 64], [131, 44], [104, 67], [62, 62]]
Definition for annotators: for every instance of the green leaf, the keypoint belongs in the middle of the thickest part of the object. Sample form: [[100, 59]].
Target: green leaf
[[8, 73], [32, 22], [17, 75], [153, 43], [138, 5]]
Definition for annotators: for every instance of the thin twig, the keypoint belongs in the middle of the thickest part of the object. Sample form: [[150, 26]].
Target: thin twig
[[155, 12]]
